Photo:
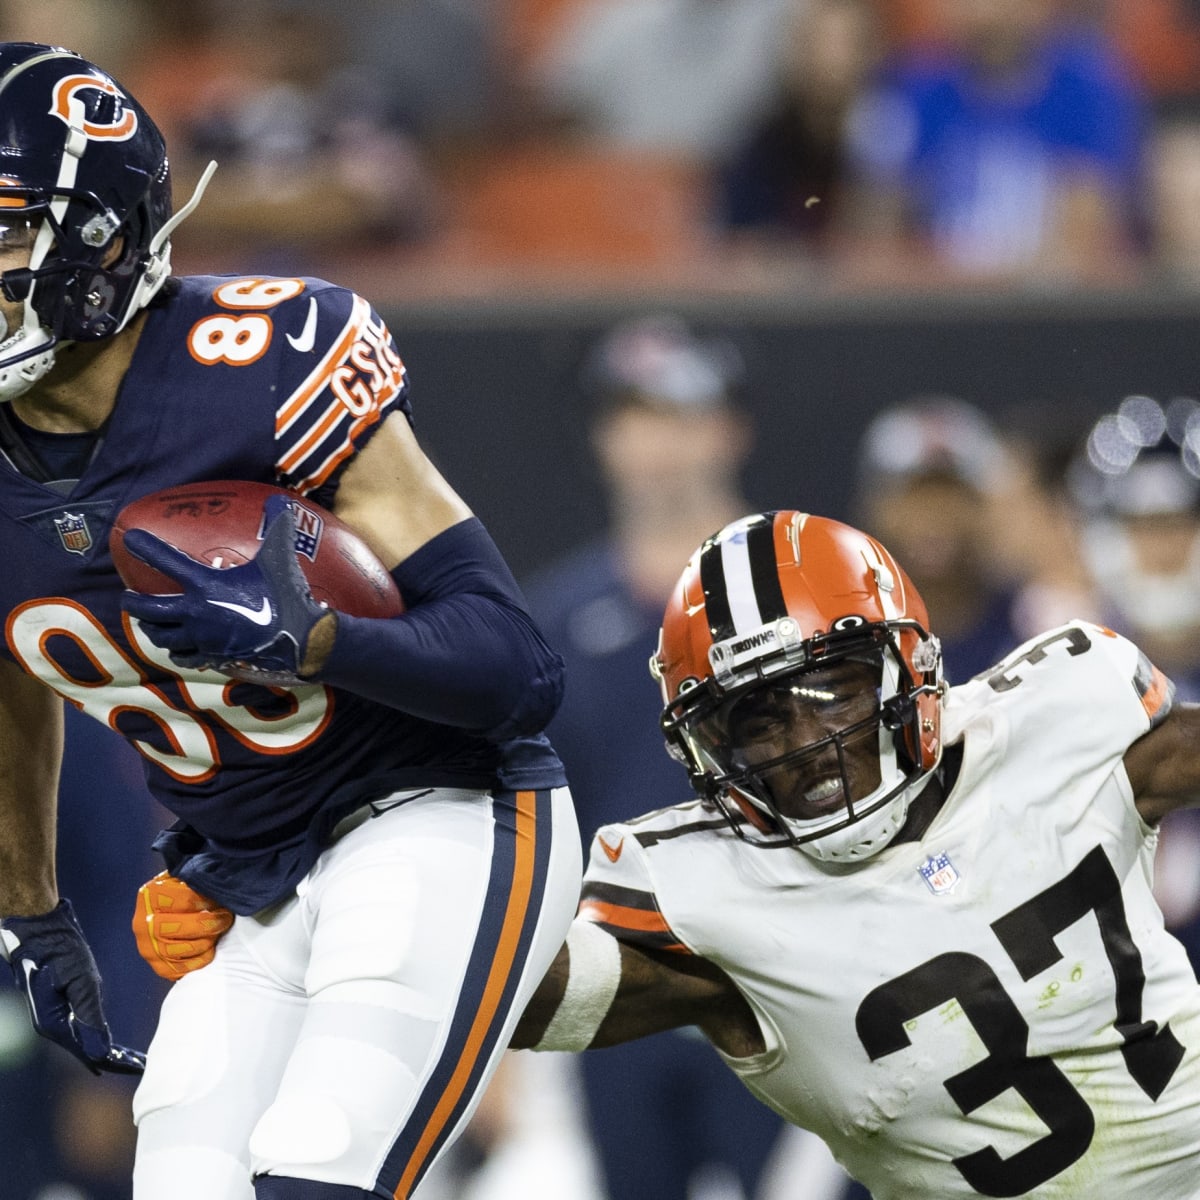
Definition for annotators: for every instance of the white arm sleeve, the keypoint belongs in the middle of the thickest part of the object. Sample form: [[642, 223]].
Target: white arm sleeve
[[594, 972]]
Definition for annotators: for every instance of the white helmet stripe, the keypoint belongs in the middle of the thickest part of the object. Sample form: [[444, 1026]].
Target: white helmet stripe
[[740, 578], [739, 585]]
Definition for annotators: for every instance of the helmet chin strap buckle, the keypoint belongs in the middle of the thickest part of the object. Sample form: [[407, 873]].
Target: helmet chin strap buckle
[[17, 283]]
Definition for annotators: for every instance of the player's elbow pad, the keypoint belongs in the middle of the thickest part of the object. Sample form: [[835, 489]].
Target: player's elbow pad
[[466, 652]]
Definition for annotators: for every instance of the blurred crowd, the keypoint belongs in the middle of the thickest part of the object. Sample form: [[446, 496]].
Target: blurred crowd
[[448, 146]]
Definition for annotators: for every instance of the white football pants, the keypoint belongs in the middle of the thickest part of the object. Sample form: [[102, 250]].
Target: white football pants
[[347, 1034]]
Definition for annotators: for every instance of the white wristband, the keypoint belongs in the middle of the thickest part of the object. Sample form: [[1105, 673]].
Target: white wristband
[[593, 975]]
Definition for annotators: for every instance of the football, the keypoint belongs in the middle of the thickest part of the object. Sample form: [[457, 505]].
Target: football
[[221, 524]]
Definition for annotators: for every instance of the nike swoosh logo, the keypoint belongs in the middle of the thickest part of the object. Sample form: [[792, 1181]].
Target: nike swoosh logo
[[308, 335], [30, 968], [261, 616], [613, 852]]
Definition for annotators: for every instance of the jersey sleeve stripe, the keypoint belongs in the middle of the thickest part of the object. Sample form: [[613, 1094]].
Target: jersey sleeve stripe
[[632, 915], [329, 420], [630, 925], [1154, 689], [332, 461]]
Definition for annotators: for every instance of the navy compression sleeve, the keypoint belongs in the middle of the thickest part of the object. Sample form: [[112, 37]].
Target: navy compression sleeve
[[465, 653]]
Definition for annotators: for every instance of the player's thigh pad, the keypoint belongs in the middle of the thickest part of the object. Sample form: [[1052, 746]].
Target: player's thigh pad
[[430, 926], [224, 1035]]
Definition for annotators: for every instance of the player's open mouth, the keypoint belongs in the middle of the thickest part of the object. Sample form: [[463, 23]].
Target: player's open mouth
[[823, 797]]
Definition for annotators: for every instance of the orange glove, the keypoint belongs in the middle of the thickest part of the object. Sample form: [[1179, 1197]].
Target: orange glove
[[176, 928]]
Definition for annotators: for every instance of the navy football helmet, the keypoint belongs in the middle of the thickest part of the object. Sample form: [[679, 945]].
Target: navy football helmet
[[84, 179]]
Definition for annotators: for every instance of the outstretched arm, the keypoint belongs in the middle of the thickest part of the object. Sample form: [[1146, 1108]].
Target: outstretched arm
[[601, 992], [1164, 764]]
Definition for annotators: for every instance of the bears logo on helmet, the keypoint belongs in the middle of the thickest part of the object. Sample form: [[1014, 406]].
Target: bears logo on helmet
[[86, 169]]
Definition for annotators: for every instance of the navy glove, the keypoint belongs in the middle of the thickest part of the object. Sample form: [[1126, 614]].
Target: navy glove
[[251, 621], [55, 970]]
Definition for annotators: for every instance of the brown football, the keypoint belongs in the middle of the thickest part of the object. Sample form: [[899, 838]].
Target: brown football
[[221, 524]]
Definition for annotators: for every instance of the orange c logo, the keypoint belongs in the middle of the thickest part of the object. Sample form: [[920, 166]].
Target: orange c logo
[[69, 108]]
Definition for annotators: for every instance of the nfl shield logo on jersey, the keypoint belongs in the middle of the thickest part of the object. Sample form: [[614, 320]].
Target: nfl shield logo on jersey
[[73, 532], [939, 872]]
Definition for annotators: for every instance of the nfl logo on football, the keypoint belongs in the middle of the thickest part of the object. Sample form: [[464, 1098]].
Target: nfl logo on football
[[939, 873], [308, 530], [73, 532]]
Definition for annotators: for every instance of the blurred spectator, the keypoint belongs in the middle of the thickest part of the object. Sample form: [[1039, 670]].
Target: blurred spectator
[[311, 162], [1136, 484], [680, 77], [435, 64], [1136, 487], [1035, 538], [1174, 190], [1161, 38], [1011, 150], [784, 180], [931, 473], [671, 441]]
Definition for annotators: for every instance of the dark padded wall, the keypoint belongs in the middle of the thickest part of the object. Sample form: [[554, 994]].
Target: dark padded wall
[[498, 404]]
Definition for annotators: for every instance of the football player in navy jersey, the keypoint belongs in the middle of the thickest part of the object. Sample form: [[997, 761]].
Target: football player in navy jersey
[[375, 823], [912, 918]]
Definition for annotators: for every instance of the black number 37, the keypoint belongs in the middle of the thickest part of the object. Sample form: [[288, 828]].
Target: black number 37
[[1027, 934]]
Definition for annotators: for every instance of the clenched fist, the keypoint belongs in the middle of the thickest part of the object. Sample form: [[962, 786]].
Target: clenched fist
[[176, 928]]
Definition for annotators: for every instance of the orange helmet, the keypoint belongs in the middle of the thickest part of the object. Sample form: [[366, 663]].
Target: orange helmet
[[802, 686]]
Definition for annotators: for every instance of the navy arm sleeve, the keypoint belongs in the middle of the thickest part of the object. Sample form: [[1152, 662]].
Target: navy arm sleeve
[[465, 652]]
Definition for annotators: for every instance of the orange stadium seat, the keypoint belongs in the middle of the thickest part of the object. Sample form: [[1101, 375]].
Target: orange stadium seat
[[555, 204]]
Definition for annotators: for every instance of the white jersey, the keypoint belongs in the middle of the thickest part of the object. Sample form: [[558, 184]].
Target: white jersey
[[993, 1010]]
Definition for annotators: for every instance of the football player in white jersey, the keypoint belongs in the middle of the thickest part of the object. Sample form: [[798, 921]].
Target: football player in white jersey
[[914, 919]]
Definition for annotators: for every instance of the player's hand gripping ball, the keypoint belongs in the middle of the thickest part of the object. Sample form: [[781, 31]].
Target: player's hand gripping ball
[[234, 576]]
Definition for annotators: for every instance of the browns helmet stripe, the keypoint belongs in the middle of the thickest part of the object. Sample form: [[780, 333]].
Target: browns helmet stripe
[[740, 580], [716, 598], [764, 570]]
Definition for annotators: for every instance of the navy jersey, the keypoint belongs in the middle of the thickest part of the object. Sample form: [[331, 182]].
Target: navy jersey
[[268, 380]]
